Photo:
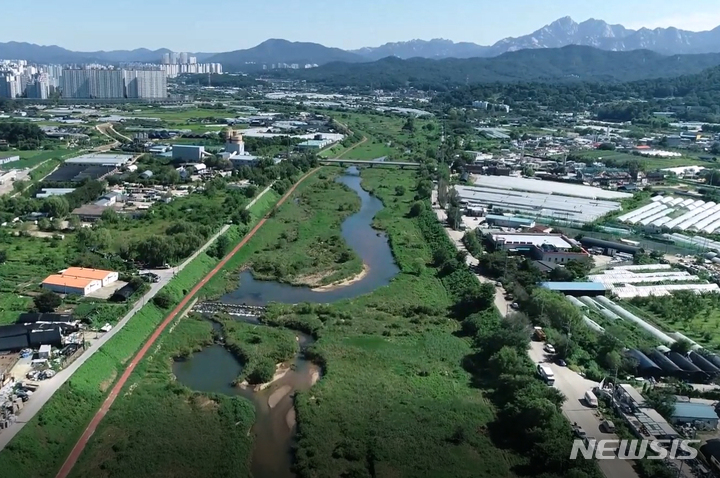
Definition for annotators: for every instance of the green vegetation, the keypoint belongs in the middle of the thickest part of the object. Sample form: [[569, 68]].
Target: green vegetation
[[31, 159], [257, 347], [44, 443], [160, 410], [309, 250], [695, 315], [557, 65], [385, 136]]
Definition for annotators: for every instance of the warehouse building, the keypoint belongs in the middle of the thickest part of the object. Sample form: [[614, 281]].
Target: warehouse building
[[188, 153], [508, 221], [97, 159], [609, 247], [105, 277], [699, 415], [552, 248], [65, 284]]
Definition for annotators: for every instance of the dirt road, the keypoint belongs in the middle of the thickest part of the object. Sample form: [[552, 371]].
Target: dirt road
[[82, 442]]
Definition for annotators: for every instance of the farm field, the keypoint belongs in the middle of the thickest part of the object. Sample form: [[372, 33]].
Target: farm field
[[649, 163], [695, 316]]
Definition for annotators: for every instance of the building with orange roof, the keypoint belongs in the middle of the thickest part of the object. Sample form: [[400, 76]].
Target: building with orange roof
[[105, 277], [67, 284]]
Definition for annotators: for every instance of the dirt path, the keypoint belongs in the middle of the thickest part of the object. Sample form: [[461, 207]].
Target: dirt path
[[83, 441], [362, 141]]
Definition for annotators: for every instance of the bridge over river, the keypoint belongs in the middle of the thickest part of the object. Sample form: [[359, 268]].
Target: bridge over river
[[239, 310], [370, 163]]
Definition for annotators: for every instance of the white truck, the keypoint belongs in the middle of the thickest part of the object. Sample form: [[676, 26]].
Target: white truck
[[546, 373]]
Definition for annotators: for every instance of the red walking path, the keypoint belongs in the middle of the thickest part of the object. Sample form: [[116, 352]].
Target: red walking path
[[82, 442]]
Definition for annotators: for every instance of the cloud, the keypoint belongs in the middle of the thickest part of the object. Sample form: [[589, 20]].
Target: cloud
[[699, 21]]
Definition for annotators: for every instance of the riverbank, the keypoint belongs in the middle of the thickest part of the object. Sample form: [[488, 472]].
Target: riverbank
[[344, 283], [308, 250]]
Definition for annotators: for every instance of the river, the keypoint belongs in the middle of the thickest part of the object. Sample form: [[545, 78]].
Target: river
[[372, 246], [214, 369]]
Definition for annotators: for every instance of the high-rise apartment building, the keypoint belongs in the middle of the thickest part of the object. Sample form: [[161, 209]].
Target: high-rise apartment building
[[145, 84], [166, 58], [113, 84], [183, 58], [9, 86], [39, 88]]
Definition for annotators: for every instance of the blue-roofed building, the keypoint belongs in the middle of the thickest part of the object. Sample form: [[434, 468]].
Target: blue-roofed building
[[699, 415], [577, 289]]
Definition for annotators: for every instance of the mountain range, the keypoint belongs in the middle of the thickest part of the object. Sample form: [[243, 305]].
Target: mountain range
[[571, 63], [562, 32]]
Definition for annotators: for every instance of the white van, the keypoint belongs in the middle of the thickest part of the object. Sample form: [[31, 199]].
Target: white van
[[546, 373], [590, 399]]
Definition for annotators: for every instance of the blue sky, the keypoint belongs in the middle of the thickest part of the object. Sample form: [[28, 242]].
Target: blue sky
[[223, 25]]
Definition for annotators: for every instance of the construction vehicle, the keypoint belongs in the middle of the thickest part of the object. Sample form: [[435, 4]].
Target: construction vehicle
[[539, 334]]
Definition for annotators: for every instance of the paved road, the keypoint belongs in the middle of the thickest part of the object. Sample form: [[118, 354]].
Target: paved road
[[573, 386], [82, 442], [49, 387]]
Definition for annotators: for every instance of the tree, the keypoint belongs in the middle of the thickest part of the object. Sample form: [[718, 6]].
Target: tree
[[48, 301], [399, 190], [263, 371], [682, 346], [56, 206], [162, 300], [110, 216], [74, 222], [3, 256], [409, 125], [417, 208], [424, 189], [220, 248]]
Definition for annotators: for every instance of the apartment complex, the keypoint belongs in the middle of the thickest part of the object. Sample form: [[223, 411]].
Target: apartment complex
[[108, 83]]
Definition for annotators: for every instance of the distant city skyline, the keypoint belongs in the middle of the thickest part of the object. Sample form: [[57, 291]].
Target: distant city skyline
[[181, 26]]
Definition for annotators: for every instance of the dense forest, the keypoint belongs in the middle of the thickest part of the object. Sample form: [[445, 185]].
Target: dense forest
[[569, 64], [695, 96], [23, 135]]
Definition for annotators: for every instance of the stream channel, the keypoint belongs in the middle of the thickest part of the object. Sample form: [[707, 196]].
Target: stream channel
[[214, 369]]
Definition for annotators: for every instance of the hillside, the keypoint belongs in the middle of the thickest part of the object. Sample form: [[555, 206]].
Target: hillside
[[282, 51], [567, 64]]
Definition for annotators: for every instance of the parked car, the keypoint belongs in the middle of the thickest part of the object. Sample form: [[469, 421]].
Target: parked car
[[514, 306], [549, 348], [561, 362], [607, 426], [579, 432]]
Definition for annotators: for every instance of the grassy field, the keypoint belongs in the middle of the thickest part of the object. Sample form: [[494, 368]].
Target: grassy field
[[44, 443], [397, 346], [29, 261], [385, 137], [309, 250], [30, 159], [393, 400], [280, 240]]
